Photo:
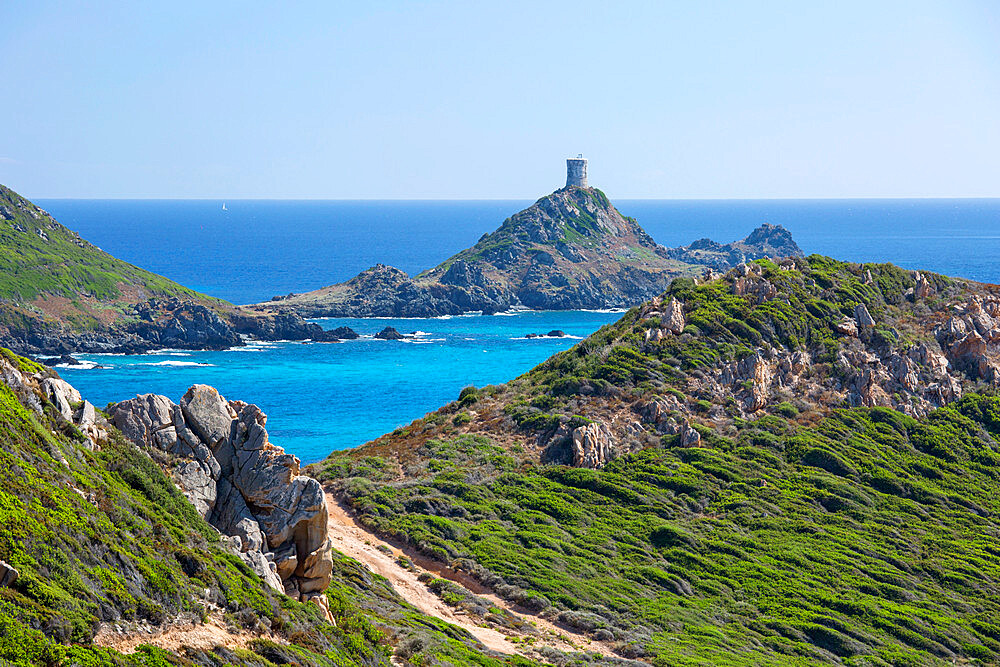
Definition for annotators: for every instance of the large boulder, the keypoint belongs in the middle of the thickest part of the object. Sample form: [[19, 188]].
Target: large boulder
[[248, 488]]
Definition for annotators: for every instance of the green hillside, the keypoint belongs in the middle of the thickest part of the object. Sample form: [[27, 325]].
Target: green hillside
[[746, 514], [38, 256], [102, 536]]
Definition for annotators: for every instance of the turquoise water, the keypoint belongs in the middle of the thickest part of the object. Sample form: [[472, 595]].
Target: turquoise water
[[321, 397]]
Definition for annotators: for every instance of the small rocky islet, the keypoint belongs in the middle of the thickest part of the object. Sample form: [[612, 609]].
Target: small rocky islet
[[570, 250]]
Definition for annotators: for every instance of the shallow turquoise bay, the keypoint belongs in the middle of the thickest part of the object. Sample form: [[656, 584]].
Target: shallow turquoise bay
[[321, 397]]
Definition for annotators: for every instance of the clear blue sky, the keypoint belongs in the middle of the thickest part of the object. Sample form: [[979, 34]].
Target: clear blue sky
[[486, 99]]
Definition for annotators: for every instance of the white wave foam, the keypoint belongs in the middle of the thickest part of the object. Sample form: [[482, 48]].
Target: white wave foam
[[84, 365], [172, 362]]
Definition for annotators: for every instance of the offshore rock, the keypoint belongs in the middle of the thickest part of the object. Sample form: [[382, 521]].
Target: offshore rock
[[249, 489], [389, 333]]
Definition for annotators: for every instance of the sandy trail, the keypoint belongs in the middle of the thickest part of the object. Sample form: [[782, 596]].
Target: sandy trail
[[351, 538], [176, 635]]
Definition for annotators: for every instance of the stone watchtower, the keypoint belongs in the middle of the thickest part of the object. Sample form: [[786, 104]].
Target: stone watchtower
[[576, 171]]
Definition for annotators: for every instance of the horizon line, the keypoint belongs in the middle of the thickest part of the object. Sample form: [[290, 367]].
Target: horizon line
[[521, 199]]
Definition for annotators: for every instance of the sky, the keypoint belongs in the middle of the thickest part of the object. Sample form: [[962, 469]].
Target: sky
[[485, 100]]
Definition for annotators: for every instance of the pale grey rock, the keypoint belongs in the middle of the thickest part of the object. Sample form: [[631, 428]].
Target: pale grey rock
[[207, 414], [62, 394], [8, 575], [246, 487], [673, 319], [195, 480], [690, 437], [264, 569], [863, 317], [146, 420], [593, 445]]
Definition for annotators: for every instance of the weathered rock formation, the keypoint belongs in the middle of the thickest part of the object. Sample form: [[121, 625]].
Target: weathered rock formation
[[248, 488], [873, 365]]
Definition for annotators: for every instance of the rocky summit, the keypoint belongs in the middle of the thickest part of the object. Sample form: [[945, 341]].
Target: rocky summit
[[569, 250]]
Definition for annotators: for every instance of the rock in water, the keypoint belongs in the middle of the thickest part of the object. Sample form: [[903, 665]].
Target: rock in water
[[389, 333], [246, 487]]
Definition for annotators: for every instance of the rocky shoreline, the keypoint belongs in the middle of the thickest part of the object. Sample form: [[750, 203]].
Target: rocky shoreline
[[172, 323]]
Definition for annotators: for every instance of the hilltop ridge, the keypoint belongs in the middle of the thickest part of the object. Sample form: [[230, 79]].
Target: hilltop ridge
[[793, 463], [571, 249]]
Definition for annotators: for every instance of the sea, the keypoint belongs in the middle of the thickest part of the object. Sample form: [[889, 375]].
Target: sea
[[322, 397]]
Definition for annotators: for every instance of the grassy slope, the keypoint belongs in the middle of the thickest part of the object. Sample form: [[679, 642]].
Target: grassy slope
[[64, 265], [865, 537], [105, 536]]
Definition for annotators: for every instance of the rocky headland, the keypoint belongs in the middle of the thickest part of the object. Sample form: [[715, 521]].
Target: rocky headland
[[569, 250], [60, 294]]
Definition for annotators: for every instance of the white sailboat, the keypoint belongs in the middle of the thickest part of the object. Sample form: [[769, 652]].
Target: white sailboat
[[224, 206]]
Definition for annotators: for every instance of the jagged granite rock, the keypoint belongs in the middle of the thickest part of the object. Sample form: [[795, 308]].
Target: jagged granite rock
[[593, 445], [248, 488], [862, 317], [569, 250]]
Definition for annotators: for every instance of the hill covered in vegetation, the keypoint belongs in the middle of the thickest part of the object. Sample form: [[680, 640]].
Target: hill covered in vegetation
[[571, 249], [790, 464], [59, 293], [104, 562]]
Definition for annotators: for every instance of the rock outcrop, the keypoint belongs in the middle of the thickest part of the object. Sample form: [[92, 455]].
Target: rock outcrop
[[766, 241], [248, 488], [8, 575], [593, 445]]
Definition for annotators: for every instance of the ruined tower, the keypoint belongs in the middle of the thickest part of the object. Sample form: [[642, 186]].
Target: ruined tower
[[576, 171]]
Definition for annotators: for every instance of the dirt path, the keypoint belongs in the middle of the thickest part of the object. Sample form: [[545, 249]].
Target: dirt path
[[176, 635], [354, 540]]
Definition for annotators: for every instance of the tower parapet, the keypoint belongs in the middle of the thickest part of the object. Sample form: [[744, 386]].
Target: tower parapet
[[576, 171]]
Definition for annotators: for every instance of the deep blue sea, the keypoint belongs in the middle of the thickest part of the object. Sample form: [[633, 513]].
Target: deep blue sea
[[322, 397]]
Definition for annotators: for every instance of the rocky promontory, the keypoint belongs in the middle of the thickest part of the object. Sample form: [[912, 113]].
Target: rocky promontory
[[60, 294], [569, 250], [218, 453]]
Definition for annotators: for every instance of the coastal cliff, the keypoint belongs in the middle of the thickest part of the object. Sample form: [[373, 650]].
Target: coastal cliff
[[569, 250]]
